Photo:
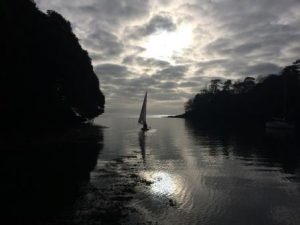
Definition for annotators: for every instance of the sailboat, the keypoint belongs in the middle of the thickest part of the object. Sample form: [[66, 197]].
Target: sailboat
[[142, 118]]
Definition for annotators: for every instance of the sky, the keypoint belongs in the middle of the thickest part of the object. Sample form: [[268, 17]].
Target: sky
[[173, 49]]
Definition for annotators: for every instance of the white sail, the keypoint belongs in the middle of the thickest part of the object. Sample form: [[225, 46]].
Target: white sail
[[142, 119]]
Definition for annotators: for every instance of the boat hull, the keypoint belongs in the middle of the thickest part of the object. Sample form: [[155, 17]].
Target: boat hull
[[279, 125]]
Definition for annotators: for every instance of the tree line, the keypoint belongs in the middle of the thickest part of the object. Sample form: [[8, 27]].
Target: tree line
[[250, 99]]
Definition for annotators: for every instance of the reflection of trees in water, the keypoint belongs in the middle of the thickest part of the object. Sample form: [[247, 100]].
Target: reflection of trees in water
[[42, 176], [247, 142]]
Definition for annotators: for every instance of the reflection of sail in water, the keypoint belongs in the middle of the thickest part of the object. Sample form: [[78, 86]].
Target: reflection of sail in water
[[142, 143]]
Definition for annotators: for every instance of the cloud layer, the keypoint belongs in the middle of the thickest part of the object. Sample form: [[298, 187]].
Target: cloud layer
[[230, 39]]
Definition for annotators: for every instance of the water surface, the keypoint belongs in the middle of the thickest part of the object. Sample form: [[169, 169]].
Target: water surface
[[176, 173], [209, 174]]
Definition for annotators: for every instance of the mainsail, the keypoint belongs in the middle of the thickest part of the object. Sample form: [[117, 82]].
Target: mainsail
[[142, 119]]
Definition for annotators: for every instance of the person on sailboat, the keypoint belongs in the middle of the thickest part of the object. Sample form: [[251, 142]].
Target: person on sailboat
[[145, 126]]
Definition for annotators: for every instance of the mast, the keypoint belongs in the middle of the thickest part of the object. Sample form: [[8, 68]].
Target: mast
[[142, 119]]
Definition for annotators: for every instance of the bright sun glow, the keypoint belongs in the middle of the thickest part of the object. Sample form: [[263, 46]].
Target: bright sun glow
[[166, 44]]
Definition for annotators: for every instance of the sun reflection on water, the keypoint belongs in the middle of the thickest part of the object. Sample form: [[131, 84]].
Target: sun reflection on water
[[163, 183]]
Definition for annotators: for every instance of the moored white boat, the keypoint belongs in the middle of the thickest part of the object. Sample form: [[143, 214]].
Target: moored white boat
[[279, 124]]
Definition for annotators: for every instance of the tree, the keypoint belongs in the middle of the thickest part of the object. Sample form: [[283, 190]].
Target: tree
[[215, 85], [188, 106], [227, 85], [53, 82], [275, 95], [249, 83], [238, 87]]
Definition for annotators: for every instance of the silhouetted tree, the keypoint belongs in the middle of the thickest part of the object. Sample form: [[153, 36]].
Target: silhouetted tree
[[248, 84], [188, 105], [238, 87], [46, 78], [215, 85], [227, 85]]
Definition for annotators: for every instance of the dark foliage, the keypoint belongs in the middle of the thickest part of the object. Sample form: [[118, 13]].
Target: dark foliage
[[248, 100], [46, 78]]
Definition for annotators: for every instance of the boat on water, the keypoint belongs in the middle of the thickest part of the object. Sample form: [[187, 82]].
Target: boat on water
[[279, 124], [143, 114]]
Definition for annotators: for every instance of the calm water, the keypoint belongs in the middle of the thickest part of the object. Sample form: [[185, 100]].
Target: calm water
[[209, 175], [177, 173]]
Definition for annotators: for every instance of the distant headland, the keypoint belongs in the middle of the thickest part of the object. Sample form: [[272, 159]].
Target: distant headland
[[252, 100]]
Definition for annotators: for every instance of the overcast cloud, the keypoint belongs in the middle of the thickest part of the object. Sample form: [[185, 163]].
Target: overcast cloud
[[229, 39]]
